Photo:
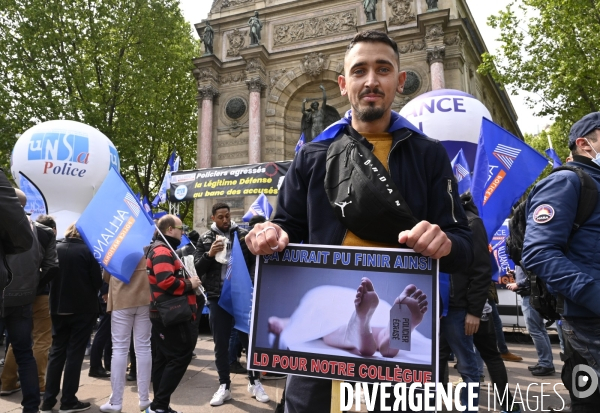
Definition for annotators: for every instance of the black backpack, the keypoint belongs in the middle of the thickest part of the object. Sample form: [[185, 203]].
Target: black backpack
[[548, 305]]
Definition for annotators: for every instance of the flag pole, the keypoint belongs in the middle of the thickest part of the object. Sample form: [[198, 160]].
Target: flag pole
[[549, 142]]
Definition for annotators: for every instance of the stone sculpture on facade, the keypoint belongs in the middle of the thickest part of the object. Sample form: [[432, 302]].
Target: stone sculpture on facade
[[432, 4], [314, 27], [255, 27], [370, 7], [313, 64], [236, 42], [315, 119], [401, 12], [207, 38]]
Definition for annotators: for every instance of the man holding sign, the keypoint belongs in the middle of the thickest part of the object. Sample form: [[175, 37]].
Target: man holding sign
[[411, 200]]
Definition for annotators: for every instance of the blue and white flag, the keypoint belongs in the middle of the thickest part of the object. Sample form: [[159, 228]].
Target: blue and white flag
[[300, 143], [551, 153], [501, 262], [260, 206], [462, 172], [115, 227], [505, 166], [36, 203], [147, 207], [236, 294], [172, 160]]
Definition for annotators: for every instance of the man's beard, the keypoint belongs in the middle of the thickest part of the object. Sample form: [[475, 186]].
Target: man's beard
[[369, 114]]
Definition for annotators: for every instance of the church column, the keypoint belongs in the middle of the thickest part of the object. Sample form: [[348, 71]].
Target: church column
[[435, 58], [206, 95], [255, 86]]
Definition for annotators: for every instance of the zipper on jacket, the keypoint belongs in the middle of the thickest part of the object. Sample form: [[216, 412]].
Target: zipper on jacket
[[393, 147], [451, 198]]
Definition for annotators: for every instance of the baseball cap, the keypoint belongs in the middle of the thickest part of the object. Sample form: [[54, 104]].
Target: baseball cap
[[584, 126]]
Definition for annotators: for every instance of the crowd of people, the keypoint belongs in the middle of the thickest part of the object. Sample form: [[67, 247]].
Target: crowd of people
[[54, 298]]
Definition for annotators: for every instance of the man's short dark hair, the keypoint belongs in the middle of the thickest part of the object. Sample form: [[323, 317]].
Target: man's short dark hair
[[165, 222], [373, 36], [219, 205], [46, 220]]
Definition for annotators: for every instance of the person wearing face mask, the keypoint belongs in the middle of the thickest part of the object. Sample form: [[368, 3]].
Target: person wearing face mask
[[567, 260]]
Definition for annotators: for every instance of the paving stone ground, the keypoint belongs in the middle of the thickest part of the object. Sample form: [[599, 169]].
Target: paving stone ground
[[201, 381]]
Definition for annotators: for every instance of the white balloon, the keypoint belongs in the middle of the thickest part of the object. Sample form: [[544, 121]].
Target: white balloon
[[450, 116], [68, 162]]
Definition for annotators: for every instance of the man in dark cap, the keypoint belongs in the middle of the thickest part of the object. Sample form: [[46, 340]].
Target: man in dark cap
[[567, 260]]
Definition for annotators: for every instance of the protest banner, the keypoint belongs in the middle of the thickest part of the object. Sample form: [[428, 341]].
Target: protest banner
[[305, 318], [240, 180]]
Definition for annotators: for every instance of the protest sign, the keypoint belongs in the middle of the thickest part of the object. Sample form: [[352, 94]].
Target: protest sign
[[241, 180], [311, 303]]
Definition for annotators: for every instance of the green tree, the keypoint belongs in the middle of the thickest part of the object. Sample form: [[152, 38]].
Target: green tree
[[121, 66], [550, 48]]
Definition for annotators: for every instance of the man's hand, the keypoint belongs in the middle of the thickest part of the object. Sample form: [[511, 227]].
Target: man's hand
[[105, 297], [471, 324], [512, 286], [195, 282], [427, 239], [216, 247], [266, 238]]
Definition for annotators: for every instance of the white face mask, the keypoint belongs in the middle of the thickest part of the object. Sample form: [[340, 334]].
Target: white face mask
[[596, 160]]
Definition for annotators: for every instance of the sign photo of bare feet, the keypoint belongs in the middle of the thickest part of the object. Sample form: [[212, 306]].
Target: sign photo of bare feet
[[357, 314]]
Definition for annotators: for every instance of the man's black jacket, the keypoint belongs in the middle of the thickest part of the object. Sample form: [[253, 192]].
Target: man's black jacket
[[209, 270], [420, 168], [469, 289], [16, 235]]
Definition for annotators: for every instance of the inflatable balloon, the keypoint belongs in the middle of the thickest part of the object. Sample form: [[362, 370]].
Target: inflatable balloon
[[67, 161], [450, 116]]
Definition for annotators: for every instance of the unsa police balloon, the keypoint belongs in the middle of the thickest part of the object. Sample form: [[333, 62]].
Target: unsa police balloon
[[450, 116], [68, 162]]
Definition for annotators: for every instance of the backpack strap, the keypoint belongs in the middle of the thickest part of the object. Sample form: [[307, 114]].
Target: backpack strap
[[588, 196]]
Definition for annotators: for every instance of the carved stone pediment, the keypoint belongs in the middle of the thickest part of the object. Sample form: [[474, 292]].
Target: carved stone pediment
[[237, 40], [204, 74], [434, 32], [412, 46], [314, 63], [219, 5], [314, 27], [401, 12]]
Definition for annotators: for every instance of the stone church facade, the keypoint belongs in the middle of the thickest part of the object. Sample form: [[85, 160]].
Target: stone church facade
[[250, 96]]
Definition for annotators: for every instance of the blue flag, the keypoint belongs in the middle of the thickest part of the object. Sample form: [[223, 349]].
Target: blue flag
[[554, 156], [260, 206], [184, 241], [501, 262], [236, 294], [115, 227], [171, 162], [36, 203], [505, 166], [147, 207], [462, 172], [300, 143]]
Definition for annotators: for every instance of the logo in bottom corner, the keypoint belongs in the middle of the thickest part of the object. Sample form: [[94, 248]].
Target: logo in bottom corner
[[543, 214]]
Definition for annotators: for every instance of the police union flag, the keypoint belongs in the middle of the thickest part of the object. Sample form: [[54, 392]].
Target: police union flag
[[505, 166], [115, 227]]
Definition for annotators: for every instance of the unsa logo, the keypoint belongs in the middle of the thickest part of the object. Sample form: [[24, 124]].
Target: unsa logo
[[56, 147]]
